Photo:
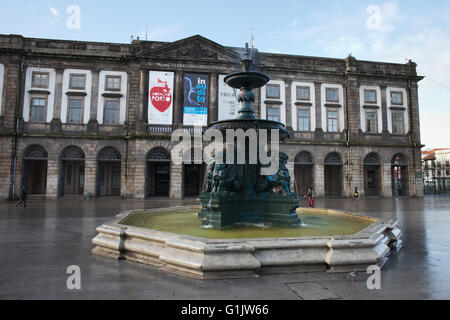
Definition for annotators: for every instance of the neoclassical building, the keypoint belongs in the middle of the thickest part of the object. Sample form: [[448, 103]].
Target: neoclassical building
[[87, 119]]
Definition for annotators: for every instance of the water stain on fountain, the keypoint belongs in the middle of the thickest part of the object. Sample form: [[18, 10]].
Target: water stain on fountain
[[235, 193]]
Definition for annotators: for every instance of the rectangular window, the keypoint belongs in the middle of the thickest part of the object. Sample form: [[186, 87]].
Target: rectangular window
[[113, 83], [371, 122], [273, 114], [303, 93], [397, 97], [397, 123], [303, 120], [111, 112], [332, 95], [333, 120], [447, 164], [40, 79], [77, 81], [370, 96], [37, 109], [273, 91], [75, 112]]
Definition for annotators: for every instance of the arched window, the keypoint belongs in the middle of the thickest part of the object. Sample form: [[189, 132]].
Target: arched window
[[109, 154], [399, 160], [372, 159], [304, 158], [158, 155], [35, 152], [372, 175], [333, 159], [333, 175], [73, 153]]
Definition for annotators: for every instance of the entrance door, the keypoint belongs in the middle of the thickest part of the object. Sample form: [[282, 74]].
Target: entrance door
[[109, 179], [399, 181], [304, 178], [158, 179], [35, 180], [333, 177], [73, 178], [193, 180], [372, 176]]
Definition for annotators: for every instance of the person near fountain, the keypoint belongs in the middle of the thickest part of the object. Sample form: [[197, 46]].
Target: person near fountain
[[22, 198], [356, 194], [311, 196]]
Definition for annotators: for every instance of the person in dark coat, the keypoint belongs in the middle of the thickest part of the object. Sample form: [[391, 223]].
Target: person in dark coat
[[22, 198]]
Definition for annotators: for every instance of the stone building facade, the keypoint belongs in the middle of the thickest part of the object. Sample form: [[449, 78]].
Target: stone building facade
[[75, 118]]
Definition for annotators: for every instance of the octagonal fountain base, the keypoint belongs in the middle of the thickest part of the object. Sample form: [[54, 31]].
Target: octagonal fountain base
[[202, 258]]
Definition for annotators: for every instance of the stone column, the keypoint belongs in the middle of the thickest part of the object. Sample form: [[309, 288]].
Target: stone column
[[358, 175], [176, 181], [178, 98], [319, 180], [140, 174], [291, 167], [346, 175], [288, 103], [384, 110], [90, 177], [94, 95], [318, 103], [213, 112], [59, 94], [386, 176], [52, 178]]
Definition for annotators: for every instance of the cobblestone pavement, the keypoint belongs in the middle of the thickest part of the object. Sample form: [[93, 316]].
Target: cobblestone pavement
[[39, 242]]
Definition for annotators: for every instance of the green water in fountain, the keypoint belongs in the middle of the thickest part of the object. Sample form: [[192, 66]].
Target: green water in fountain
[[186, 222]]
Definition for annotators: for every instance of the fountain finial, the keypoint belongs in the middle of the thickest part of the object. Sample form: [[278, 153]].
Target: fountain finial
[[246, 61]]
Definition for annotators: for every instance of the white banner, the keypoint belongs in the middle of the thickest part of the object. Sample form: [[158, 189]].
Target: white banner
[[228, 100], [160, 103]]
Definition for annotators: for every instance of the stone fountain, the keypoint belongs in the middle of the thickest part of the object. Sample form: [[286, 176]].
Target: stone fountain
[[237, 194]]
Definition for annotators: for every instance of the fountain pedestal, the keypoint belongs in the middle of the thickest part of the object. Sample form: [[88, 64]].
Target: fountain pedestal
[[238, 193]]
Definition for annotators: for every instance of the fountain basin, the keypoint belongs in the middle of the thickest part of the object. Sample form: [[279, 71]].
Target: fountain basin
[[210, 257], [248, 80]]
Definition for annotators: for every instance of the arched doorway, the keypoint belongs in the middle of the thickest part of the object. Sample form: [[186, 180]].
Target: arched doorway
[[35, 161], [72, 172], [193, 176], [333, 175], [372, 175], [399, 175], [109, 172], [304, 176], [158, 173]]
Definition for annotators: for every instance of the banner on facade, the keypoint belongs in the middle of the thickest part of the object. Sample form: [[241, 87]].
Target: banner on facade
[[160, 105], [196, 99], [228, 100]]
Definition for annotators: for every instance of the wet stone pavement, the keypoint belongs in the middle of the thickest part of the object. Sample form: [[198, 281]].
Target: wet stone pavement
[[39, 242]]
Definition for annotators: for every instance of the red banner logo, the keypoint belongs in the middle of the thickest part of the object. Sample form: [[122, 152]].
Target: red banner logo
[[161, 96]]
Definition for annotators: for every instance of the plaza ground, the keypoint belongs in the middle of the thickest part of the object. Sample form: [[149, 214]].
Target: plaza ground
[[39, 242]]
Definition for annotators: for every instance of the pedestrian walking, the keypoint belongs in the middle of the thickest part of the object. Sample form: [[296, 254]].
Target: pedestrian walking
[[22, 198]]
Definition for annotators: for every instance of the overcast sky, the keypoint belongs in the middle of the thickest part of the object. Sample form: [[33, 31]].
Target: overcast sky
[[391, 31]]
